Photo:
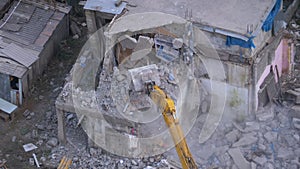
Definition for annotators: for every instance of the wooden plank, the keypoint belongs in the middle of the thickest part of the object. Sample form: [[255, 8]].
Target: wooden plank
[[4, 116], [61, 126]]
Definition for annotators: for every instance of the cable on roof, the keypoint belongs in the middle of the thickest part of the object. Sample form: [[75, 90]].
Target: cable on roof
[[1, 26]]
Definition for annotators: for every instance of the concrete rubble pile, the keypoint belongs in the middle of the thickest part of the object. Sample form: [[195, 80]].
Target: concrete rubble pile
[[252, 144]]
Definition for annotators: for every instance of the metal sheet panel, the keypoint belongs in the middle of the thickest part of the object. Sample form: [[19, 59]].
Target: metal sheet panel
[[20, 54], [106, 6], [7, 107], [5, 87], [12, 69], [31, 19]]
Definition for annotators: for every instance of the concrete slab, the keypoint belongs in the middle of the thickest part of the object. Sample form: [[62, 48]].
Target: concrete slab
[[239, 159], [233, 15]]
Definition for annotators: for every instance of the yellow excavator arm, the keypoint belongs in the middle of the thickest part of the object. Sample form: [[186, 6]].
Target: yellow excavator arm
[[167, 106]]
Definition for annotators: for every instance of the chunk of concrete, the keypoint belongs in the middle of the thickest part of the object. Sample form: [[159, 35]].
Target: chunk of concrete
[[260, 160], [127, 42], [271, 136], [247, 139], [52, 142], [266, 116], [177, 43], [296, 123], [285, 153], [142, 48], [232, 136], [239, 159], [253, 165], [252, 126], [296, 95], [295, 112]]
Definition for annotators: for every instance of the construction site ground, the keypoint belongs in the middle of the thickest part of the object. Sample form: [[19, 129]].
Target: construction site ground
[[271, 139]]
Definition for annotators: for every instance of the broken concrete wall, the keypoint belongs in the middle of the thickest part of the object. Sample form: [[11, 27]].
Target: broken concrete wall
[[278, 56], [225, 52], [237, 100]]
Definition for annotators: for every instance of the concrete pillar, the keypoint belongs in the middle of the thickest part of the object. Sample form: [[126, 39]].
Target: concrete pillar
[[20, 92], [61, 126], [91, 21]]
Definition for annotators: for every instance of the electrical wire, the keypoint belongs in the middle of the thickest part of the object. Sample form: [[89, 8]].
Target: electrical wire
[[9, 16]]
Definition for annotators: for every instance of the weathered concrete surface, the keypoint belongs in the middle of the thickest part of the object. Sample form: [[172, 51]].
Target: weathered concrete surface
[[234, 16]]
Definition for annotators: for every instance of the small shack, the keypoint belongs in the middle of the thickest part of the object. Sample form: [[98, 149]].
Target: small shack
[[30, 33]]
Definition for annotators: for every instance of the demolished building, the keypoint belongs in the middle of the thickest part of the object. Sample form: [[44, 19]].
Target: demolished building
[[30, 33], [253, 59]]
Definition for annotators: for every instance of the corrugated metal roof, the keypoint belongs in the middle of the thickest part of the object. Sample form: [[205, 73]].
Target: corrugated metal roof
[[32, 29], [20, 55], [106, 6], [31, 19], [22, 39], [10, 68]]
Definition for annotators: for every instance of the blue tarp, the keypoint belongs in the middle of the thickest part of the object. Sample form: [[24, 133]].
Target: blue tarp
[[267, 25], [235, 41]]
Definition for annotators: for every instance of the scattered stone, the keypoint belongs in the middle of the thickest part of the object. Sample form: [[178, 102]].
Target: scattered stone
[[296, 123], [151, 160], [41, 97], [13, 139], [32, 113], [34, 134], [48, 114], [31, 161], [269, 166], [26, 113], [127, 42], [52, 142], [234, 167], [40, 127], [43, 159], [260, 160], [252, 126], [70, 116], [271, 136], [266, 116], [93, 152], [75, 159], [247, 139], [262, 147], [177, 43], [297, 137], [133, 162], [253, 165], [295, 112], [238, 158], [75, 36], [143, 48], [75, 29], [83, 24]]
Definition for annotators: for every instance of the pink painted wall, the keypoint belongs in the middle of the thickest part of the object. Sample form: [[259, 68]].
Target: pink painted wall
[[281, 59]]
